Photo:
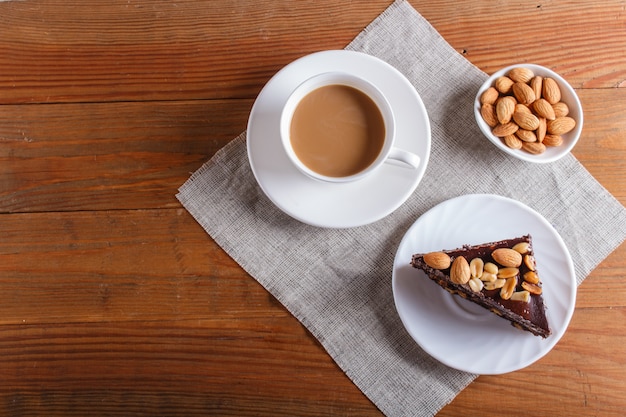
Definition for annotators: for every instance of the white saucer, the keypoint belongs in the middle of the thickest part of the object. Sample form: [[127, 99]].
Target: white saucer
[[337, 205], [458, 332]]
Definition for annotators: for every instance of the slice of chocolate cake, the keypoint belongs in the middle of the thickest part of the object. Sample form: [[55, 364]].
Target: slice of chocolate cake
[[500, 276]]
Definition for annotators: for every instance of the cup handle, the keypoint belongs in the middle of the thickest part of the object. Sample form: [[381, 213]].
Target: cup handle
[[406, 157]]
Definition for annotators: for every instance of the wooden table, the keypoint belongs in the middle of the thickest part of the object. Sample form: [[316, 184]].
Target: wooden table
[[116, 302]]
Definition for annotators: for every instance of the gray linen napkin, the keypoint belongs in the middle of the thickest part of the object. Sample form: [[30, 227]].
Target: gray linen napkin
[[337, 282]]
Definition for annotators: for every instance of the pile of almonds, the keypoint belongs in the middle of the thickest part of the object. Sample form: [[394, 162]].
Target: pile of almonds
[[525, 110]]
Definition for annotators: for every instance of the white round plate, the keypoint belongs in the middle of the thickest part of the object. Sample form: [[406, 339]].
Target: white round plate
[[337, 205], [457, 332]]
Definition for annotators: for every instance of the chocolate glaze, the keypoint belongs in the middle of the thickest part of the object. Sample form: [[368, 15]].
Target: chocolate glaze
[[528, 316]]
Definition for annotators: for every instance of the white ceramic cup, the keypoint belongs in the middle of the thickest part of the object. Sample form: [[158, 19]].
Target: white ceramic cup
[[388, 151]]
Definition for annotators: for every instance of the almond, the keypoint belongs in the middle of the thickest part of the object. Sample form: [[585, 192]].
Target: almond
[[551, 91], [535, 148], [521, 74], [512, 142], [505, 107], [437, 260], [560, 109], [561, 125], [489, 96], [525, 120], [544, 109], [488, 112], [553, 140], [522, 247], [536, 83], [506, 129], [522, 108], [460, 272], [523, 93], [503, 84], [507, 257], [541, 130], [526, 135]]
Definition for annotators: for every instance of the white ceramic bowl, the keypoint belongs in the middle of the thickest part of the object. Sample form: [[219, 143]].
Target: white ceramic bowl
[[568, 96]]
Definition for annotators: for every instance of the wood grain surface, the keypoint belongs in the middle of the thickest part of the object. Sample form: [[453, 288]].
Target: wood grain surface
[[116, 302]]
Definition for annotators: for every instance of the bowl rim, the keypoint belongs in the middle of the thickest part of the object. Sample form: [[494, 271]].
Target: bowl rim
[[573, 101]]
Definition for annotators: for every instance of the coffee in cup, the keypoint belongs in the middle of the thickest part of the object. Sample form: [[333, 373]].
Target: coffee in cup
[[337, 130], [338, 127]]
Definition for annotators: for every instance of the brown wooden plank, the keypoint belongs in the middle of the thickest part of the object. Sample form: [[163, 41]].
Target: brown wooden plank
[[150, 50], [110, 155], [602, 147], [199, 367], [583, 41], [147, 50], [120, 266]]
